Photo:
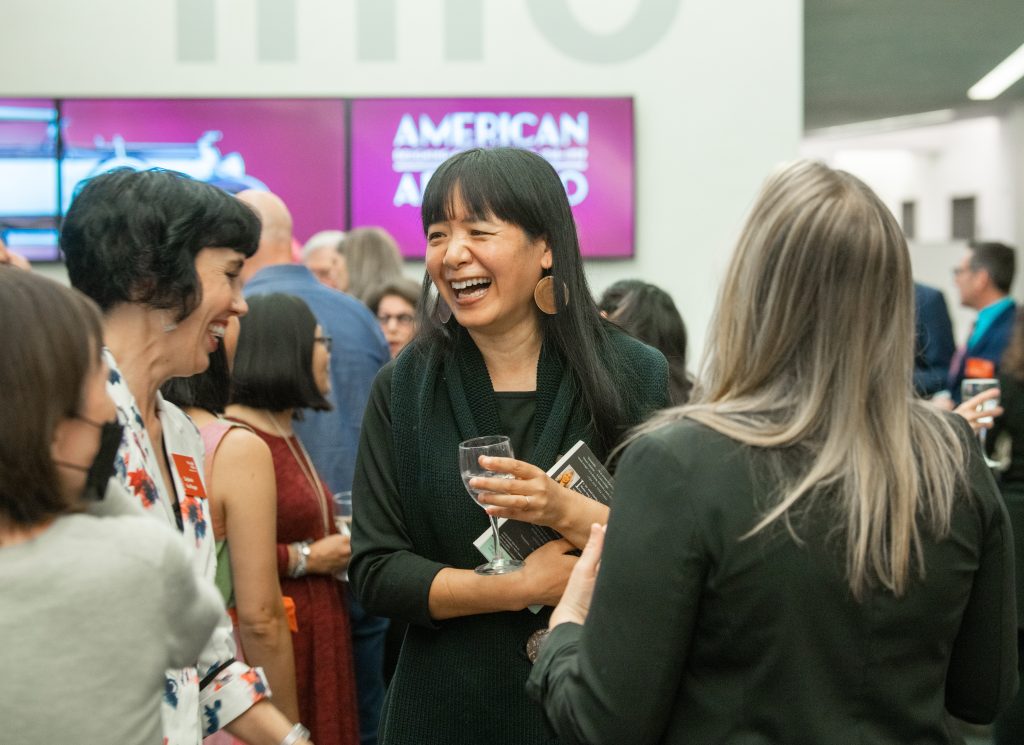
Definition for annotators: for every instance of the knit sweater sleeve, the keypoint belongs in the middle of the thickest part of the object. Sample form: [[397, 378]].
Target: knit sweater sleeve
[[387, 576]]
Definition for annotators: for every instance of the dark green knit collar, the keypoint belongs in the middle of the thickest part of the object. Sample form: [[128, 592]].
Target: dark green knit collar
[[476, 410]]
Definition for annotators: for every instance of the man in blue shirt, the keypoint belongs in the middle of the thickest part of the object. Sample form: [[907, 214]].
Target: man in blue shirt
[[331, 437], [983, 278]]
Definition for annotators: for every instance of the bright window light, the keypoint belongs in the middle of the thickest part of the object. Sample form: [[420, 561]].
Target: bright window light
[[1002, 76]]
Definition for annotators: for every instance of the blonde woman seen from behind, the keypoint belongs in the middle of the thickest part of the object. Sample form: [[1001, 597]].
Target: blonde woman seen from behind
[[808, 552]]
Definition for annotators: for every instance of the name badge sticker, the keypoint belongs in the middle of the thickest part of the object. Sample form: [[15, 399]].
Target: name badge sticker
[[979, 367], [189, 474]]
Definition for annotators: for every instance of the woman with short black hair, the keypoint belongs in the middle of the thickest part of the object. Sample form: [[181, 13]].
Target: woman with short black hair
[[161, 254], [280, 369]]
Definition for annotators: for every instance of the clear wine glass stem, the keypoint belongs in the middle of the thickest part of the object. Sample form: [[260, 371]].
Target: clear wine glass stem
[[497, 538]]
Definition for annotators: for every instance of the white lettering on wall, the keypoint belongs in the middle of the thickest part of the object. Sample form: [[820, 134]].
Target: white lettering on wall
[[420, 145]]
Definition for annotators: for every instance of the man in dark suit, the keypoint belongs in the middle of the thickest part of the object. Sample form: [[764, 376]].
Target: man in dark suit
[[983, 278], [933, 342]]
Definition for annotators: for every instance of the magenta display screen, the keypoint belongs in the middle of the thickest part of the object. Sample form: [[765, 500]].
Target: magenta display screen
[[396, 144], [29, 207], [293, 147]]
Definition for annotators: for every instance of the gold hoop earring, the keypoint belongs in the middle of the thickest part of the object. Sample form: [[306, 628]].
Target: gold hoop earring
[[544, 295]]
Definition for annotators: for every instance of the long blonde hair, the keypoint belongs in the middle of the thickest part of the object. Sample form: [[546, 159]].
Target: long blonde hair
[[811, 352]]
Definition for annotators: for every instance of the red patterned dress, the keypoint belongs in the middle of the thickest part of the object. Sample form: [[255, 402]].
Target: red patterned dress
[[324, 671]]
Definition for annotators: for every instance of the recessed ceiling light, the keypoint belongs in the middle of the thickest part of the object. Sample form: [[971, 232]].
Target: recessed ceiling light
[[1001, 77]]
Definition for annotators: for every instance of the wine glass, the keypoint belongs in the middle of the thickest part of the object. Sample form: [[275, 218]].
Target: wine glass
[[497, 446], [972, 387]]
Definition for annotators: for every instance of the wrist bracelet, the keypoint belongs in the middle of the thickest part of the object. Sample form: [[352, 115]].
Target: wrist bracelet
[[302, 551], [296, 733], [535, 642]]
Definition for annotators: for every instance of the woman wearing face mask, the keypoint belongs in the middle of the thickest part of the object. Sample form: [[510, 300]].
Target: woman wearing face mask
[[280, 369], [88, 633], [161, 255]]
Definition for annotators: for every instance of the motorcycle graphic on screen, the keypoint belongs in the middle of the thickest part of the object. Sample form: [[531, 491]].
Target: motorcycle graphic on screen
[[202, 160], [33, 171]]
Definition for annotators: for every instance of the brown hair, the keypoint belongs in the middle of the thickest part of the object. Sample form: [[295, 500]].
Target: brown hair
[[50, 337], [371, 257]]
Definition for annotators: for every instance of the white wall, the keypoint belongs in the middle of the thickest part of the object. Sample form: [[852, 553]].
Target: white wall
[[718, 93], [981, 157]]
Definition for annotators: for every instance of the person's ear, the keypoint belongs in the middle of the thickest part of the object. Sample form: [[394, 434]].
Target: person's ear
[[546, 259]]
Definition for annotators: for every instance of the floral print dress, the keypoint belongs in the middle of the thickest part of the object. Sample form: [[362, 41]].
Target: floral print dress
[[198, 700]]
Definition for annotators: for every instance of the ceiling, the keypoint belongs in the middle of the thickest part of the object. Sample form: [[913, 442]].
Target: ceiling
[[873, 59]]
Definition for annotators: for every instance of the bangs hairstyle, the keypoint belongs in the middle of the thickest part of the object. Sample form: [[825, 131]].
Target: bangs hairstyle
[[521, 188], [810, 357], [273, 367], [51, 337], [209, 390], [132, 237]]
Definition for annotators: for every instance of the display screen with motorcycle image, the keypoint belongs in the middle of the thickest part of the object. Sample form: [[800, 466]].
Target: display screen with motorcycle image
[[294, 147]]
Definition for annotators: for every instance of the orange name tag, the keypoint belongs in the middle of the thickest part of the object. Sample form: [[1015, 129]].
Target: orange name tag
[[977, 367], [189, 474]]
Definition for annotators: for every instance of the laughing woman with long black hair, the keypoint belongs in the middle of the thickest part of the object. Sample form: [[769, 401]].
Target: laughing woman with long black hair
[[511, 344]]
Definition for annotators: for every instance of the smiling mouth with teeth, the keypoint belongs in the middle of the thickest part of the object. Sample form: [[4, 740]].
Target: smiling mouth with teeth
[[218, 331], [470, 288]]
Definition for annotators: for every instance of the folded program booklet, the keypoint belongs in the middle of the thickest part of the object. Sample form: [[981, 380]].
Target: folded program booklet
[[579, 470]]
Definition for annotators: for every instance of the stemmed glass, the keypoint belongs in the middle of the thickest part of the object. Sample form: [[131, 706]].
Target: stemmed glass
[[972, 387], [496, 446]]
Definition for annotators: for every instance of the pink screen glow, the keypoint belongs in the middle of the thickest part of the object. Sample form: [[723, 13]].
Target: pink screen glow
[[398, 143], [295, 148]]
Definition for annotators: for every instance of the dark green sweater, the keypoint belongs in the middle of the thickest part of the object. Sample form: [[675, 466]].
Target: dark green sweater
[[696, 636], [460, 680]]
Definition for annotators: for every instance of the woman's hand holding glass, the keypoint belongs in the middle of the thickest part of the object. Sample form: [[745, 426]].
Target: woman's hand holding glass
[[977, 414], [534, 497]]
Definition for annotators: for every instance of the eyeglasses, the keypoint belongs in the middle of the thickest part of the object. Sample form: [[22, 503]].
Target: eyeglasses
[[403, 319], [327, 341]]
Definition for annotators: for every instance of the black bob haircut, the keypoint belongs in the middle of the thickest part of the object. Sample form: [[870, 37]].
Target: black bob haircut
[[133, 236], [209, 390], [274, 363], [521, 188]]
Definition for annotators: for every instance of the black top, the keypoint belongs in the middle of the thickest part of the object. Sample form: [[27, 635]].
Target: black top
[[516, 412], [460, 681], [697, 636], [1011, 483]]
